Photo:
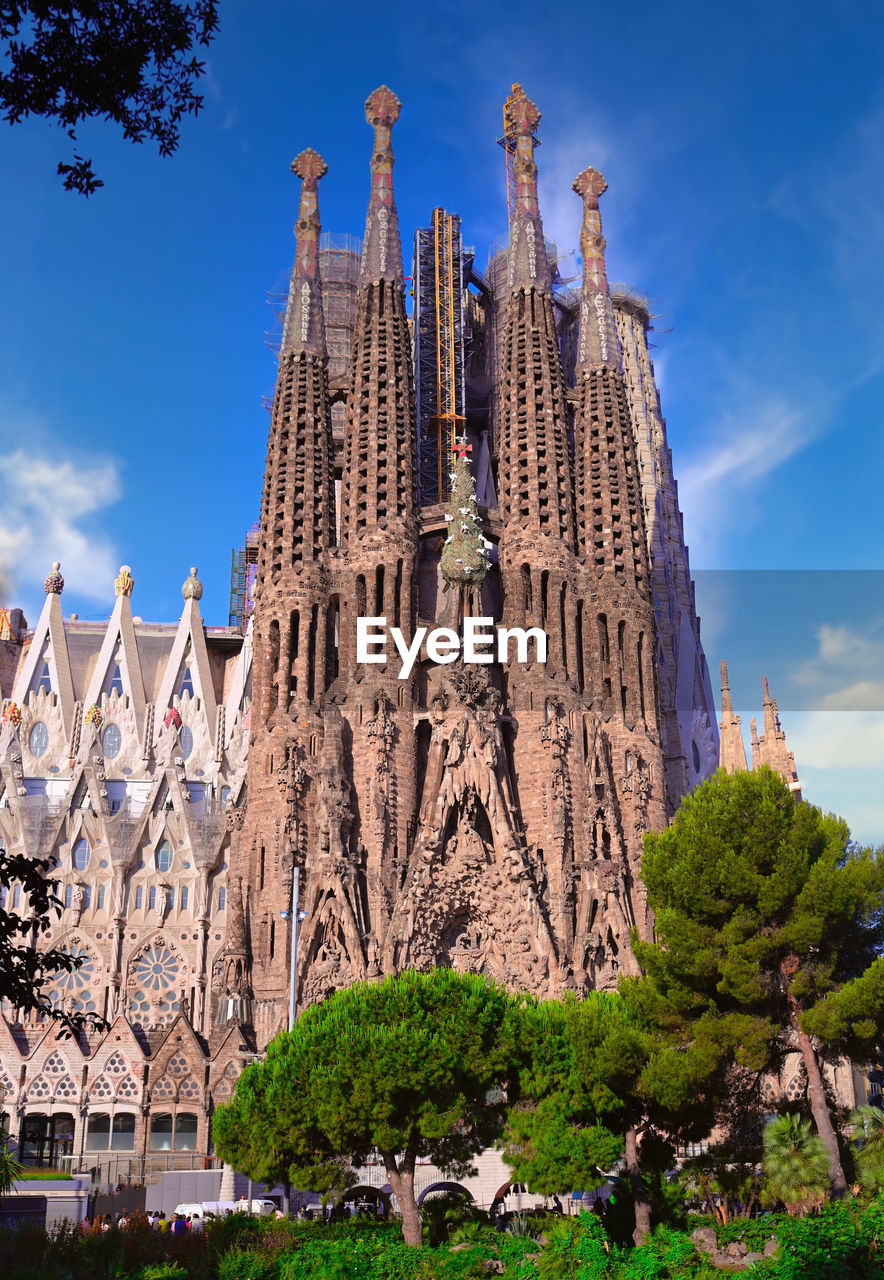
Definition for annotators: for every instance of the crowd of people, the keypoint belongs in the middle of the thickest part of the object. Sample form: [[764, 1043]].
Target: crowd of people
[[153, 1220]]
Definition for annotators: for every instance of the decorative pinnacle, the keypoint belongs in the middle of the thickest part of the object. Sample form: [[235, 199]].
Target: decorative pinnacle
[[599, 343], [304, 329], [309, 166], [382, 107], [53, 583], [124, 583], [529, 265], [382, 248], [192, 588]]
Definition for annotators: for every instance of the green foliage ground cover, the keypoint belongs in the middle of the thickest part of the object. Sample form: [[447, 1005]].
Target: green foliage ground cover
[[844, 1241]]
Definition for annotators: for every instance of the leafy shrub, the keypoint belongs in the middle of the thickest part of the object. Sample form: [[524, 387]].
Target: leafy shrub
[[163, 1271], [246, 1264]]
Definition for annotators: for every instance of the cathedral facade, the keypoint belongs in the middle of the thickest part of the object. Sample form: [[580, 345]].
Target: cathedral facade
[[498, 455]]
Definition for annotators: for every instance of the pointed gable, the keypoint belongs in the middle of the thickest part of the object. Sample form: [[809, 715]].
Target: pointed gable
[[189, 658], [119, 666], [48, 659]]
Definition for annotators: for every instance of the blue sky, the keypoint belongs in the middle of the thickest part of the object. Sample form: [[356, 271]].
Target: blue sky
[[742, 146]]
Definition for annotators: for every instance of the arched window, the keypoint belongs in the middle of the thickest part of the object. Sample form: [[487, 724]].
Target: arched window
[[38, 742], [123, 1133], [111, 741], [106, 1134], [186, 738], [173, 1132], [185, 1131], [98, 1132], [81, 854], [164, 857]]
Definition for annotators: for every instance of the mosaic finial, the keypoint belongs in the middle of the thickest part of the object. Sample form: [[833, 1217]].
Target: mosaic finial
[[192, 588], [53, 583], [124, 583]]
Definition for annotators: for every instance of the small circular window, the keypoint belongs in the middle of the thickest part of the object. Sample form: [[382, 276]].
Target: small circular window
[[111, 741], [164, 857], [39, 739], [186, 741], [81, 855]]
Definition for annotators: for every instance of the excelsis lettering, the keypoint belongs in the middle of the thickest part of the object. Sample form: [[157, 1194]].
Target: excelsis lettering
[[481, 642]]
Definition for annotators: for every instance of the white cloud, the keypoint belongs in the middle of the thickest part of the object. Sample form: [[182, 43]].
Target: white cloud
[[48, 497], [846, 669], [746, 446]]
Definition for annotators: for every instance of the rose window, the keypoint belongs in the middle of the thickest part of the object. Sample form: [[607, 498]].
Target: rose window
[[55, 1065], [128, 1088], [164, 1088], [189, 1089], [158, 975], [39, 1089], [177, 1064], [77, 988], [102, 1089], [66, 1088], [116, 1065]]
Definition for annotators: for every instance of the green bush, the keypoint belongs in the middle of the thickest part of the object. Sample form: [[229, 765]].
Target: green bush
[[163, 1271], [246, 1264], [841, 1242]]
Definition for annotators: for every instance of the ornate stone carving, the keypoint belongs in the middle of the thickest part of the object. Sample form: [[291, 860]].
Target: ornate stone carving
[[124, 583], [192, 588]]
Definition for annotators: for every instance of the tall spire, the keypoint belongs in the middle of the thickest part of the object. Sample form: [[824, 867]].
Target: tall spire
[[378, 484], [732, 752], [598, 343], [304, 326], [528, 265], [773, 750], [382, 248]]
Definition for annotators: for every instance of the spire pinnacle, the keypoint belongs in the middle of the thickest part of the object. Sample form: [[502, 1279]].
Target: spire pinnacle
[[732, 752], [529, 266], [599, 343], [382, 249], [304, 329]]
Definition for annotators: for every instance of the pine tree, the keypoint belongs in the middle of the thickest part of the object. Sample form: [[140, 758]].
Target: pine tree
[[768, 925]]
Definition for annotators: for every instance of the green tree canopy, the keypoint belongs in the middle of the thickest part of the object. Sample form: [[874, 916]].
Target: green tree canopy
[[769, 923], [411, 1067], [119, 60], [25, 971], [583, 1100]]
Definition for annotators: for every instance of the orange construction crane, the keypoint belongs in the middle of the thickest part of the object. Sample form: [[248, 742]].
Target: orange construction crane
[[446, 417]]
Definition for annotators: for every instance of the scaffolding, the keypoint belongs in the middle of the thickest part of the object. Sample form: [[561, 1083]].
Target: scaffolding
[[439, 354], [243, 571], [340, 259]]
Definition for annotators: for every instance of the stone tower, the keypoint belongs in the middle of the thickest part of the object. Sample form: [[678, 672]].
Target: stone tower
[[486, 815], [291, 630]]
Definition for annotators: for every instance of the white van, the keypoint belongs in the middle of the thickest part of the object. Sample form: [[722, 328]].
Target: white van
[[199, 1209]]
